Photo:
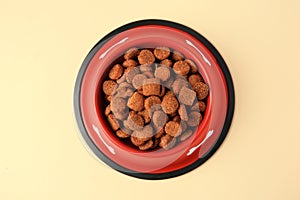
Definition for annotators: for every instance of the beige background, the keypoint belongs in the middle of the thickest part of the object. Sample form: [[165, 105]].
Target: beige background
[[42, 45]]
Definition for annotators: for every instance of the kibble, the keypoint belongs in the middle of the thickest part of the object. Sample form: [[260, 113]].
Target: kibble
[[146, 57], [186, 135], [163, 73], [166, 62], [187, 96], [113, 122], [151, 86], [109, 87], [178, 84], [183, 113], [167, 142], [194, 78], [107, 110], [154, 98], [169, 104], [181, 68], [138, 80], [116, 72], [192, 65], [146, 146], [161, 53], [177, 56], [194, 119], [201, 89], [130, 63], [134, 122], [151, 101], [131, 53], [159, 119], [122, 134], [136, 102], [173, 128]]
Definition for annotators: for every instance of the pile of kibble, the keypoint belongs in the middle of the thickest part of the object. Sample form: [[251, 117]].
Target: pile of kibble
[[155, 98]]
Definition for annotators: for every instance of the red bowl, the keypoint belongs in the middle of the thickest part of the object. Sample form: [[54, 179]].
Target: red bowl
[[158, 164]]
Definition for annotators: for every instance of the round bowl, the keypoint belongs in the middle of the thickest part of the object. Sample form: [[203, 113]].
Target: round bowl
[[156, 164]]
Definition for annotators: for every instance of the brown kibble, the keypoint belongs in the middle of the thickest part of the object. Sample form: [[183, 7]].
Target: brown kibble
[[115, 72], [177, 56], [121, 115], [192, 65], [163, 73], [154, 108], [183, 113], [124, 90], [202, 106], [171, 144], [130, 63], [136, 102], [162, 91], [113, 122], [167, 142], [134, 122], [194, 118], [169, 82], [170, 94], [146, 146], [187, 96], [176, 119], [173, 114], [166, 62], [150, 101], [131, 53], [118, 104], [108, 98], [151, 86], [123, 86], [199, 106], [173, 128], [109, 86], [127, 70], [122, 79], [160, 133], [149, 74], [156, 142], [137, 141], [169, 104], [131, 74], [141, 98], [159, 119], [146, 68], [201, 90], [146, 57], [138, 80], [183, 126], [146, 115], [178, 84], [186, 135], [194, 78], [161, 53], [107, 110], [140, 90], [145, 134], [181, 68], [124, 94], [122, 134]]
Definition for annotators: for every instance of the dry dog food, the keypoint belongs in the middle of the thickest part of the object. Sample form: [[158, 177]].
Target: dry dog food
[[154, 98]]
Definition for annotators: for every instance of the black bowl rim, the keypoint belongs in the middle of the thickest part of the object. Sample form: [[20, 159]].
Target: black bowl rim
[[102, 156]]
